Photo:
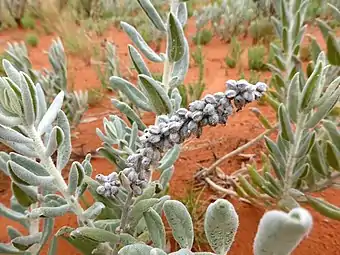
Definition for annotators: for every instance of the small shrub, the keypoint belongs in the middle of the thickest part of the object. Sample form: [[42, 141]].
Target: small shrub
[[28, 22], [256, 58], [32, 40], [305, 53], [95, 96], [262, 30], [202, 37], [234, 56], [197, 56], [230, 62]]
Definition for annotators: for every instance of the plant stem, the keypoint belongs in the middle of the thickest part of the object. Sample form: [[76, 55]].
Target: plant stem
[[124, 217], [59, 180], [34, 229], [207, 171], [125, 212], [291, 162]]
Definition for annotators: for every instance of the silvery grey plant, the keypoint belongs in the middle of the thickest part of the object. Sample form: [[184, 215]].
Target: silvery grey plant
[[126, 214], [40, 192], [227, 18], [52, 81], [304, 156]]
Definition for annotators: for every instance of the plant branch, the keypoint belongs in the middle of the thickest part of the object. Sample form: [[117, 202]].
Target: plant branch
[[125, 212], [59, 180], [207, 171]]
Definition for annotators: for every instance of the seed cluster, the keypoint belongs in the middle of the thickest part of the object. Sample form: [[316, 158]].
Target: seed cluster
[[174, 129]]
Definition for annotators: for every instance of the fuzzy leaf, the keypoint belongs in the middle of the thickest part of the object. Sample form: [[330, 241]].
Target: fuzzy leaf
[[333, 156], [51, 113], [65, 148], [93, 211], [293, 97], [169, 158], [23, 243], [41, 104], [180, 222], [153, 15], [54, 200], [182, 13], [9, 134], [325, 208], [181, 67], [333, 132], [324, 109], [132, 93], [140, 42], [129, 112], [285, 125], [176, 46], [138, 61], [275, 151], [220, 225], [135, 249], [317, 159], [23, 198], [139, 208], [331, 88], [280, 233], [308, 99], [156, 228], [23, 176], [73, 179], [11, 214], [262, 118], [11, 71], [333, 50], [157, 95], [85, 245], [95, 234], [49, 212], [30, 164], [29, 98], [165, 177], [55, 139]]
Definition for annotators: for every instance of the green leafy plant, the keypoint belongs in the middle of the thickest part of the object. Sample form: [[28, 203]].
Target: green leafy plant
[[262, 31], [202, 37], [256, 58], [228, 18], [27, 22], [236, 50], [32, 40]]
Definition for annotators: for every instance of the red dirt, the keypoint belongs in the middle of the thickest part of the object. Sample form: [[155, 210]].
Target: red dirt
[[214, 143]]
